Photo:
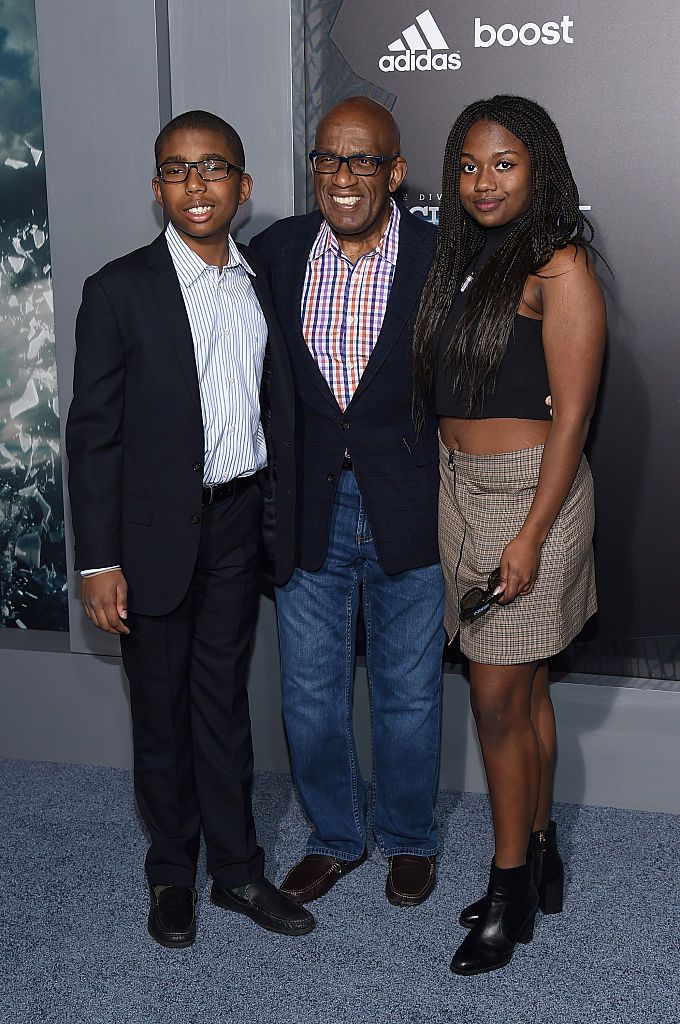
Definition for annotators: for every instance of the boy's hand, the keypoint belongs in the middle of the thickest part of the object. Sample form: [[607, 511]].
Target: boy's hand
[[105, 600]]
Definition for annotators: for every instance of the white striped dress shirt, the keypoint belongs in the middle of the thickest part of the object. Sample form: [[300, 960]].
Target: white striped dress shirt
[[229, 332]]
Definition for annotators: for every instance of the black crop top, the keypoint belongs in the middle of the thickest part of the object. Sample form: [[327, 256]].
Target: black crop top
[[521, 384]]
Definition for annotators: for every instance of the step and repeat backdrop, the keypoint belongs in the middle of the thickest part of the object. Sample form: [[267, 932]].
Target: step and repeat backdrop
[[33, 592], [607, 74], [605, 70]]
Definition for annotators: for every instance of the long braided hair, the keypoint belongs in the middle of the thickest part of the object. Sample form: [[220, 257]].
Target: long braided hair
[[552, 221]]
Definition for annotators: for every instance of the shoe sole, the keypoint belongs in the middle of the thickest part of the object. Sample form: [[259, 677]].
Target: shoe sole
[[409, 901], [219, 902], [303, 901], [480, 970], [170, 943]]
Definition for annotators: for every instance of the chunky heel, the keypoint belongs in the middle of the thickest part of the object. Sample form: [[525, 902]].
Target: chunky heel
[[550, 869], [551, 896], [527, 933]]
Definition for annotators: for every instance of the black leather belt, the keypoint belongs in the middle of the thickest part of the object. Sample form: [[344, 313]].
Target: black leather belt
[[212, 493], [347, 463]]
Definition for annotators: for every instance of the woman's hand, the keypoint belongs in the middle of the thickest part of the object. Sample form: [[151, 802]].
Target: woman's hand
[[519, 567]]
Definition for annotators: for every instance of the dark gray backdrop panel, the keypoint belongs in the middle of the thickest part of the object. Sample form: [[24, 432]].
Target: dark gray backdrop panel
[[608, 81]]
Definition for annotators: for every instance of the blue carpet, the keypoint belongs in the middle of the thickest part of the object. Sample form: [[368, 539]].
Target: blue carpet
[[75, 946]]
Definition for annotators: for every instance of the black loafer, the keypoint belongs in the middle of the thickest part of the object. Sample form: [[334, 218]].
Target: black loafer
[[172, 915], [266, 905]]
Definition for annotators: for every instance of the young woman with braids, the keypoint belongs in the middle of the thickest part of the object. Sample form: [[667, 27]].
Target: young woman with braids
[[512, 312]]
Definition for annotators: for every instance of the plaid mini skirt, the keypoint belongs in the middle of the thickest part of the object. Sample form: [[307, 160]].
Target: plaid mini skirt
[[483, 503]]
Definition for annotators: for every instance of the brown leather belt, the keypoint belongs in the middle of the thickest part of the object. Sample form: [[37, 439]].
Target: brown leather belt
[[212, 493]]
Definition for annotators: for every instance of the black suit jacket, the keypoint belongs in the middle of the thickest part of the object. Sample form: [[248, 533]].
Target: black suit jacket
[[397, 471], [134, 434]]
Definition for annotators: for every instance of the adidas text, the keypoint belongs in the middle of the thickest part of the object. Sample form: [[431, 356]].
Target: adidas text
[[427, 61]]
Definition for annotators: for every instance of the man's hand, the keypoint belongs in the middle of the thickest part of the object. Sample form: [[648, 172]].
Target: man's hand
[[105, 600]]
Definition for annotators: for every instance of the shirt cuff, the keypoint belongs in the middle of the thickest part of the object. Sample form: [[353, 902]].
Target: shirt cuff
[[95, 572]]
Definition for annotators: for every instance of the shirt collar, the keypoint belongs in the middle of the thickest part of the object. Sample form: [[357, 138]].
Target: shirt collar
[[189, 266], [387, 248]]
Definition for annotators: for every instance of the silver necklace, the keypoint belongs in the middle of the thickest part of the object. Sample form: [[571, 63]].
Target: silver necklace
[[471, 276]]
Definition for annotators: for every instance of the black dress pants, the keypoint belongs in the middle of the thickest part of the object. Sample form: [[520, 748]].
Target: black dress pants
[[193, 757]]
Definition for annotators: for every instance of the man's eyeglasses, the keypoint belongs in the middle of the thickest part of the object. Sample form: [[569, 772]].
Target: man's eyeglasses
[[362, 165], [476, 602], [208, 170]]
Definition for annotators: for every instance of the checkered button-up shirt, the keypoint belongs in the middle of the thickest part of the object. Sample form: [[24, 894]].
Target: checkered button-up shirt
[[343, 305]]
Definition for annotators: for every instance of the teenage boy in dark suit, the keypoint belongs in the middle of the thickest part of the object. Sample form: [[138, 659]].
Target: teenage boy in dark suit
[[165, 442]]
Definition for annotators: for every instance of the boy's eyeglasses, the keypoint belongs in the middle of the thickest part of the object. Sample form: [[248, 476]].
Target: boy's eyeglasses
[[476, 602], [208, 170]]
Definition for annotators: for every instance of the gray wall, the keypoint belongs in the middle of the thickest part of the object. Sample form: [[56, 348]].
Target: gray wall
[[100, 117], [618, 744], [236, 59], [136, 63]]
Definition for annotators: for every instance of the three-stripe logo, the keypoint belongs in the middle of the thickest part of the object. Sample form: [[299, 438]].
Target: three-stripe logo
[[421, 47], [414, 39]]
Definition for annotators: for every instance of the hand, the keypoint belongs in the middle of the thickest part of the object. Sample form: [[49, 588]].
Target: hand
[[104, 599], [519, 568]]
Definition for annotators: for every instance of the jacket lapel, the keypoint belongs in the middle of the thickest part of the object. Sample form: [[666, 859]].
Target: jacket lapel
[[413, 262], [293, 268], [264, 296], [174, 315], [276, 356]]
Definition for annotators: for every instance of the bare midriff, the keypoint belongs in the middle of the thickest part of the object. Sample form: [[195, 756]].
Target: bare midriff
[[493, 436]]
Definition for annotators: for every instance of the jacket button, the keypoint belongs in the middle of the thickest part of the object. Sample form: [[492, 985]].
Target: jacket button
[[195, 520], [345, 425], [331, 478], [197, 467]]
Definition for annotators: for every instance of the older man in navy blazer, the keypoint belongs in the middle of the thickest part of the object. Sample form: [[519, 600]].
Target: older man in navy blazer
[[346, 283]]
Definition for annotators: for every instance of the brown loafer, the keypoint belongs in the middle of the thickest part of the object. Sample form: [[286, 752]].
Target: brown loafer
[[315, 874], [410, 879]]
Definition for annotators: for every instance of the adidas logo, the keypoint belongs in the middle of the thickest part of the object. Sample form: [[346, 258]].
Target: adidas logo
[[420, 47]]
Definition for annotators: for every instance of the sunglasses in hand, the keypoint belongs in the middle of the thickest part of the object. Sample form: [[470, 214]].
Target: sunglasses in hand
[[476, 602]]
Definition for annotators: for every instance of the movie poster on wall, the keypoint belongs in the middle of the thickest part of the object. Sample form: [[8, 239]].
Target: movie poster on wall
[[603, 71], [33, 591]]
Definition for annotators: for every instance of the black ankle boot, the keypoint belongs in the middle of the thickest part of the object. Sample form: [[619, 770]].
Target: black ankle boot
[[507, 917], [548, 875]]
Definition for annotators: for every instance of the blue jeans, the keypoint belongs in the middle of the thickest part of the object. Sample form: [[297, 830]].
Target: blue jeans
[[317, 613]]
